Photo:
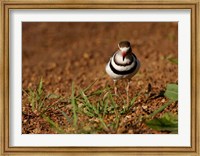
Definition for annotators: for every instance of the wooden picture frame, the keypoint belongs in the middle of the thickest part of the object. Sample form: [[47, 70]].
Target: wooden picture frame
[[7, 5]]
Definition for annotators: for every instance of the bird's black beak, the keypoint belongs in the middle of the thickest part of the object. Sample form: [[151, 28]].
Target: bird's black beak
[[124, 57]]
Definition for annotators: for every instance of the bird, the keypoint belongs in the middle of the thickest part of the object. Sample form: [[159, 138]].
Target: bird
[[123, 65]]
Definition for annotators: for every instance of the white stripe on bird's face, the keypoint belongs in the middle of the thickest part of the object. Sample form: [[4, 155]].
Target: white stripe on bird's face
[[124, 49]]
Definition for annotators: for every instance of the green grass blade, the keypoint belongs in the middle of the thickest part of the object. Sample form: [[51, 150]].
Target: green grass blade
[[93, 111], [160, 109], [99, 91], [52, 96], [87, 103], [39, 95], [113, 103], [40, 87], [89, 114], [173, 60], [133, 101], [98, 107], [53, 124], [41, 104], [54, 105], [105, 107], [69, 120], [73, 102], [103, 124], [87, 88], [31, 98], [117, 119], [126, 109], [49, 97]]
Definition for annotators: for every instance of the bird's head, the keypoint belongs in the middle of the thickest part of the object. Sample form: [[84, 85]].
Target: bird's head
[[124, 47]]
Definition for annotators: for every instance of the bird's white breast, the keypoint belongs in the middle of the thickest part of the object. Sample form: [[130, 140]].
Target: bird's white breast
[[119, 59]]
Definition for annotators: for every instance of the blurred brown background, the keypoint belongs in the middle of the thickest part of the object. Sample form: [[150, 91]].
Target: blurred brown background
[[64, 52]]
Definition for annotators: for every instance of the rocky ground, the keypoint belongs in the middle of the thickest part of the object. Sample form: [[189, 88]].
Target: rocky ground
[[62, 53]]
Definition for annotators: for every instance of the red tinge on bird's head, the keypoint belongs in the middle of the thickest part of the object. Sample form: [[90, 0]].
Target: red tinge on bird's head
[[123, 54]]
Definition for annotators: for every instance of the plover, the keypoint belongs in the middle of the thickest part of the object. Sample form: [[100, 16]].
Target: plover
[[123, 65]]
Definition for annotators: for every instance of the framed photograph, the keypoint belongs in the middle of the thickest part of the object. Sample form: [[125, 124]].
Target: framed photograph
[[95, 78]]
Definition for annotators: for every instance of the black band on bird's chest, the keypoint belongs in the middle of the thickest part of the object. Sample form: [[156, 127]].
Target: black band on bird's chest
[[125, 72]]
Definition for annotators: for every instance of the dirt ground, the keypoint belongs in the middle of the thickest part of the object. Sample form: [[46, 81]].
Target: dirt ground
[[62, 53]]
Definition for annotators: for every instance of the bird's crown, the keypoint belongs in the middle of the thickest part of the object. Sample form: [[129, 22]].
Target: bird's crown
[[123, 44]]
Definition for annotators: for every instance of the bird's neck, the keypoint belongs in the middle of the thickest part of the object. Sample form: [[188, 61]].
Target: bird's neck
[[119, 57]]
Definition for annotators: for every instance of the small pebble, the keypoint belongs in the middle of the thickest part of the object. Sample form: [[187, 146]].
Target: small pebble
[[163, 100], [144, 107], [51, 66], [86, 55], [130, 131]]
